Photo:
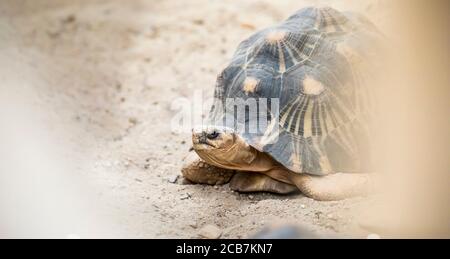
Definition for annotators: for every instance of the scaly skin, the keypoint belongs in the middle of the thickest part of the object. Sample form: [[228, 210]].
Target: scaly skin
[[225, 156], [198, 171]]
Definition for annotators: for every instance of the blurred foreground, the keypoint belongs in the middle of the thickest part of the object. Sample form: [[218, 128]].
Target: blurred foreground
[[85, 104]]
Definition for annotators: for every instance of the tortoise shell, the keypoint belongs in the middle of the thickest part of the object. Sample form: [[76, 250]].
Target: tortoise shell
[[314, 66]]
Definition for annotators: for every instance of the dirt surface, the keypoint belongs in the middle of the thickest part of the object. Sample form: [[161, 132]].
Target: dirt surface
[[106, 75]]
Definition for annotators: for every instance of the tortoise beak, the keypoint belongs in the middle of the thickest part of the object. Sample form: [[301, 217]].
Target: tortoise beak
[[202, 138], [199, 138]]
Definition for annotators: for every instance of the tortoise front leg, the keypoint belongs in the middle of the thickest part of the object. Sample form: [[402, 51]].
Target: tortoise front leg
[[198, 171]]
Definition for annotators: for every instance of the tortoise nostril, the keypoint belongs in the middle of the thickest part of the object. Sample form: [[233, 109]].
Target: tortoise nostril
[[213, 135]]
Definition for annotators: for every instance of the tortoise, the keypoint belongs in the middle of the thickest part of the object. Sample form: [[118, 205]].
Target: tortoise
[[315, 66]]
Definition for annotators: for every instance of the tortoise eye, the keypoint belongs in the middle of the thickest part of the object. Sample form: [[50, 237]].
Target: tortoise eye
[[213, 135]]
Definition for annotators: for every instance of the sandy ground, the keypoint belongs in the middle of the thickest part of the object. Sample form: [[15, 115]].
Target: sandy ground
[[107, 73]]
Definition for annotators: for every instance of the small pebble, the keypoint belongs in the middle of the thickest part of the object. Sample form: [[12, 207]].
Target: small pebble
[[172, 179], [132, 120], [198, 21], [193, 225], [185, 196], [251, 197], [69, 19], [302, 206], [210, 232]]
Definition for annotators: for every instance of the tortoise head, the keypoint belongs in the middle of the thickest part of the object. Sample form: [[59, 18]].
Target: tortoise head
[[222, 147]]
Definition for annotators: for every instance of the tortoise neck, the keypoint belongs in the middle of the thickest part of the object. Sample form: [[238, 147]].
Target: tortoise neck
[[262, 162]]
